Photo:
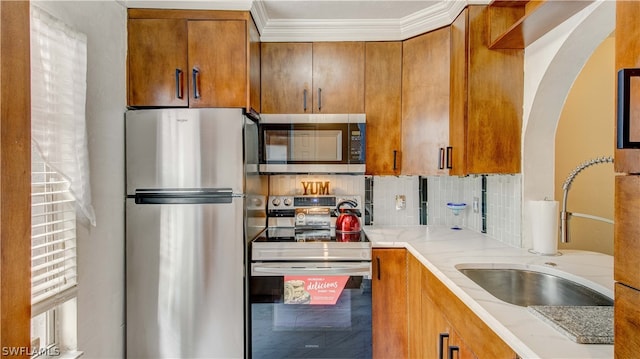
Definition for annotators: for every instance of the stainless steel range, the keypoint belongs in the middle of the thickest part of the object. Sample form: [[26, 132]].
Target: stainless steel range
[[310, 288], [302, 228]]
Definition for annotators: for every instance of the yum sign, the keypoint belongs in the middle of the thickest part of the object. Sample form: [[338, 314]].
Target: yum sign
[[315, 188]]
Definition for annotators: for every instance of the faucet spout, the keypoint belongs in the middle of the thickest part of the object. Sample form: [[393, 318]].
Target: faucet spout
[[564, 215]]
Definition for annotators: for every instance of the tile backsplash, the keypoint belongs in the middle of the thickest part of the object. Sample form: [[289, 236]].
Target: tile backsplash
[[389, 205], [338, 184], [503, 203]]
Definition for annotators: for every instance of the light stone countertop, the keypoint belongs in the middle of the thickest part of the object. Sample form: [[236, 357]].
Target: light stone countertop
[[440, 249]]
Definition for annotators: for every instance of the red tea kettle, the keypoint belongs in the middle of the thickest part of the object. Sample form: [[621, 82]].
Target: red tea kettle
[[348, 221]]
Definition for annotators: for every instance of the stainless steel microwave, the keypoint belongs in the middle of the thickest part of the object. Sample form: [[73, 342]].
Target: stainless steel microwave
[[312, 143]]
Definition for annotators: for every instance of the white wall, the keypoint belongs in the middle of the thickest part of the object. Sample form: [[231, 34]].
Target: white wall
[[101, 249], [551, 65]]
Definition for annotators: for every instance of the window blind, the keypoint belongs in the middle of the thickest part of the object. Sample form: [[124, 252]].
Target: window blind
[[53, 238]]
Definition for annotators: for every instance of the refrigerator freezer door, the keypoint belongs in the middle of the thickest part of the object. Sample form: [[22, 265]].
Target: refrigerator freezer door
[[185, 280], [184, 148]]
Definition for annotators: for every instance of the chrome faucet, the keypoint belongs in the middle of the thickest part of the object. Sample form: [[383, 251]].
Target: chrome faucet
[[564, 215]]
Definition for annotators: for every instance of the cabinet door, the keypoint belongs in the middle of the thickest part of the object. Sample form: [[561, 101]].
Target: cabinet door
[[383, 107], [338, 77], [495, 96], [626, 322], [425, 103], [458, 101], [416, 321], [218, 52], [286, 72], [626, 241], [389, 303], [157, 63]]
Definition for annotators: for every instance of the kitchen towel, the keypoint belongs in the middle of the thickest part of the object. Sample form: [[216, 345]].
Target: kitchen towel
[[544, 226]]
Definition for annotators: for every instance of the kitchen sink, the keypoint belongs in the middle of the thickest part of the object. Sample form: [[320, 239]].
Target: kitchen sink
[[526, 287]]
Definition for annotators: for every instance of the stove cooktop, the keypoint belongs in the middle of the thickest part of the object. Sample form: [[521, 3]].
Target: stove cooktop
[[291, 244]]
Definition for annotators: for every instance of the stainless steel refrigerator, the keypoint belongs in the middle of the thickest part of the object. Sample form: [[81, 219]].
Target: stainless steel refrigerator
[[194, 199]]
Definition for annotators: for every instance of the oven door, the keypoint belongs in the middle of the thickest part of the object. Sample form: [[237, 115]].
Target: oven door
[[310, 310]]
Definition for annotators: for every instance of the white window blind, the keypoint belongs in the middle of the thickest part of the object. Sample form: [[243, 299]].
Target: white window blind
[[61, 194], [53, 238]]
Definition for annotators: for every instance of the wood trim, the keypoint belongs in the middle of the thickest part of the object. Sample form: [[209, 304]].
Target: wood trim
[[188, 14], [626, 240], [539, 18], [626, 322], [15, 176], [627, 56]]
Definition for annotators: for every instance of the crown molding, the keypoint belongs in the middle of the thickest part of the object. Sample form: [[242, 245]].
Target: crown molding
[[431, 18], [307, 30], [301, 30], [241, 5]]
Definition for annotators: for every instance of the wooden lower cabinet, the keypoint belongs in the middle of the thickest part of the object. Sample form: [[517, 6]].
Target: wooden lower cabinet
[[414, 315], [441, 326], [626, 322], [389, 303]]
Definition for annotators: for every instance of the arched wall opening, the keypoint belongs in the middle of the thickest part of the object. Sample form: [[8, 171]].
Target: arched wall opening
[[552, 64]]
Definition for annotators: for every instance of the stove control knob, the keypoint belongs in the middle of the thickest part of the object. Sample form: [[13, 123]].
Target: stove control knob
[[288, 202], [275, 202]]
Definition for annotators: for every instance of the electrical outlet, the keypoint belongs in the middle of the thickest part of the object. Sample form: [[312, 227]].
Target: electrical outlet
[[401, 202]]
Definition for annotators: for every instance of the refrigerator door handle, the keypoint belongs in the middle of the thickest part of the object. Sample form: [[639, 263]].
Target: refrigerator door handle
[[184, 196]]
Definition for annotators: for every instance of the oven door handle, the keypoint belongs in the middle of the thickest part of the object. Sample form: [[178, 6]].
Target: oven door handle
[[282, 269]]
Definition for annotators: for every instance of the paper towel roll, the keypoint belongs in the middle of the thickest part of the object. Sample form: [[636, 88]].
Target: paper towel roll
[[544, 226]]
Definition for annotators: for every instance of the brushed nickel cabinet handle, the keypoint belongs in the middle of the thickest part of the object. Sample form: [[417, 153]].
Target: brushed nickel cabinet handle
[[441, 159], [319, 99], [452, 349], [441, 339], [449, 157], [378, 265], [194, 76], [179, 83], [395, 164], [304, 99]]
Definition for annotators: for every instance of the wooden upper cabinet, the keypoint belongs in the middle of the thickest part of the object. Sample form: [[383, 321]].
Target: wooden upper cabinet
[[188, 58], [218, 52], [286, 77], [628, 56], [313, 77], [157, 62], [425, 103], [254, 67], [383, 107], [338, 77], [487, 88]]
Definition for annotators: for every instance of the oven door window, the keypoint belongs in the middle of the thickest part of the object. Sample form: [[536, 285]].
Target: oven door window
[[306, 330]]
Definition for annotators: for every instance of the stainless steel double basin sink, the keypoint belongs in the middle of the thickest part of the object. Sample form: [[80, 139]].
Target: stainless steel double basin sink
[[526, 287]]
